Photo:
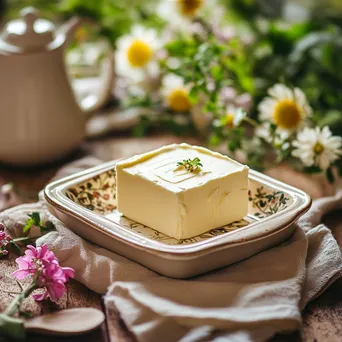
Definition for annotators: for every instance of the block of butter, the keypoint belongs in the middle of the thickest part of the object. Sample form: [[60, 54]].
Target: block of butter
[[182, 190]]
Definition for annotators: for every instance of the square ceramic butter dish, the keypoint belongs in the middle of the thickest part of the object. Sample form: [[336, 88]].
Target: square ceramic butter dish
[[182, 190], [86, 203]]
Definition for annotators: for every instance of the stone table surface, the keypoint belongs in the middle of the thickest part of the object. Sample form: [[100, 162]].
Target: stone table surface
[[322, 318]]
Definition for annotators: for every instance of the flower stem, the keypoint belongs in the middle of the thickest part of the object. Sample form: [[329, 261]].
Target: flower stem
[[17, 301], [21, 239], [25, 238], [251, 121], [17, 248]]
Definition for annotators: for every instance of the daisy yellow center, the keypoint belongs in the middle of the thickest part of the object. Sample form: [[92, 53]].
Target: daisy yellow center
[[318, 148], [139, 53], [229, 119], [287, 114], [81, 34], [178, 100], [189, 7]]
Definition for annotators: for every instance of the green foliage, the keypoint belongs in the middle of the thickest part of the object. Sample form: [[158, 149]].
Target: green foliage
[[48, 9], [111, 19], [179, 125], [208, 65], [34, 220], [304, 54]]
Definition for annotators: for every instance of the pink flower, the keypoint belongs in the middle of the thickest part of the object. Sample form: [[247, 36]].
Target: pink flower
[[43, 265], [4, 241]]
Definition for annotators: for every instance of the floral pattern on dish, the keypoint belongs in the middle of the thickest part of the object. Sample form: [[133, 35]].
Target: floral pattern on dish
[[96, 194], [267, 203]]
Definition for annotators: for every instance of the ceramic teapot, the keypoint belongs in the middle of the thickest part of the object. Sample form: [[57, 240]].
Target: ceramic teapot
[[40, 118]]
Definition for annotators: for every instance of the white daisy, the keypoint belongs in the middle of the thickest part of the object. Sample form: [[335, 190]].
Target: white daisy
[[277, 138], [135, 54], [233, 117], [181, 12], [263, 131], [175, 94], [281, 140], [285, 107], [317, 147]]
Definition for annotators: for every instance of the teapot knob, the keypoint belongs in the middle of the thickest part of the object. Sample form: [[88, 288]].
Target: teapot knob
[[29, 14], [28, 33]]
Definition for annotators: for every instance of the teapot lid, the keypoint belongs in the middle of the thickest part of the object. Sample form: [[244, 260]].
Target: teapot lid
[[27, 34]]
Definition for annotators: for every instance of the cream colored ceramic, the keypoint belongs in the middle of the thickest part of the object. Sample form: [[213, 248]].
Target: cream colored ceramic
[[66, 322], [86, 203], [40, 119]]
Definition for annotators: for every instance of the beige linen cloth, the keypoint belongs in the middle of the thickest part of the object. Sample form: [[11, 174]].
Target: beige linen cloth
[[248, 301]]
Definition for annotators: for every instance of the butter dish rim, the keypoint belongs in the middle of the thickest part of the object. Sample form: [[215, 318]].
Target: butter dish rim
[[54, 194]]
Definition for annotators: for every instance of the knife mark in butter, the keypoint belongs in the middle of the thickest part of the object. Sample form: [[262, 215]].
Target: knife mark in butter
[[168, 174], [212, 194], [223, 197]]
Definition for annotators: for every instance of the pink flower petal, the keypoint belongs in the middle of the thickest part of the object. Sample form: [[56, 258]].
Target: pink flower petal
[[50, 275], [24, 263], [32, 248], [46, 254], [56, 290], [40, 296], [29, 254], [20, 274], [69, 272]]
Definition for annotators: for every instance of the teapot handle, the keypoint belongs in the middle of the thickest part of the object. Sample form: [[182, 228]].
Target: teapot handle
[[94, 102]]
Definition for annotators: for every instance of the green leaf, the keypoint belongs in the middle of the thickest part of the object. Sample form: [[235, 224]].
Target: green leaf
[[50, 226], [142, 127], [308, 42], [193, 94], [330, 118], [16, 248], [29, 223], [36, 218], [214, 139], [313, 169], [176, 47], [12, 328], [217, 72], [233, 145]]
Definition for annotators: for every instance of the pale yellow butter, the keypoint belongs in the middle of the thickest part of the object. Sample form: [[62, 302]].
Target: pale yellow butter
[[182, 204]]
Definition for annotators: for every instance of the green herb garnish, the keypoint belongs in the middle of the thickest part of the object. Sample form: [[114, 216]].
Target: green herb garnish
[[193, 165]]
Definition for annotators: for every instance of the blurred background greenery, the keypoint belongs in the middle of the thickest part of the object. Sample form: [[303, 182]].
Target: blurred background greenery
[[298, 43], [294, 42]]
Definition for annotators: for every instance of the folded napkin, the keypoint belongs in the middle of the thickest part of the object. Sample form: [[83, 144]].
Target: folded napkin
[[248, 301]]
